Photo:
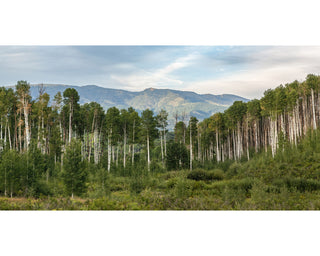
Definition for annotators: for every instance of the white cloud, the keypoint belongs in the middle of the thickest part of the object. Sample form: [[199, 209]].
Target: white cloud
[[267, 69], [159, 78]]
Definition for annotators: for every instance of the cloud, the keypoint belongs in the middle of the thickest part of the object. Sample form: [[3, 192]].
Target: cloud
[[244, 70], [262, 70], [161, 77]]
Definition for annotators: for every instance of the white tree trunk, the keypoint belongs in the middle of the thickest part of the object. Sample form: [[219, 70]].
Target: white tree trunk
[[191, 156], [161, 142], [217, 147], [96, 147], [148, 149], [124, 147], [26, 119], [313, 110], [70, 123], [165, 141], [109, 150], [133, 130]]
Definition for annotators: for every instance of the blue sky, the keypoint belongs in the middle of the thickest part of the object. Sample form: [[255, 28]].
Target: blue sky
[[243, 70]]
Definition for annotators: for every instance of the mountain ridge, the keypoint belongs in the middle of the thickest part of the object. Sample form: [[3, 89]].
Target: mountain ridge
[[173, 101]]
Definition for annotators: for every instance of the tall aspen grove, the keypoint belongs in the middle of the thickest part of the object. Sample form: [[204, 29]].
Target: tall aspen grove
[[260, 154]]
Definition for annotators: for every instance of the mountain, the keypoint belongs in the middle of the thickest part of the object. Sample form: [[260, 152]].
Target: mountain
[[173, 101]]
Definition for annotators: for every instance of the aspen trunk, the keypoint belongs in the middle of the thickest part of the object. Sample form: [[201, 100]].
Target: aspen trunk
[[109, 150], [133, 130], [161, 143], [256, 136], [96, 148], [313, 110], [190, 149], [20, 136], [217, 146], [165, 141], [247, 139], [117, 157], [148, 149], [199, 146], [234, 145], [26, 119], [124, 147], [70, 123]]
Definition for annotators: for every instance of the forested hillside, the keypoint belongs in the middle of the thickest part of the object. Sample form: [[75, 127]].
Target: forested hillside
[[255, 155], [173, 101]]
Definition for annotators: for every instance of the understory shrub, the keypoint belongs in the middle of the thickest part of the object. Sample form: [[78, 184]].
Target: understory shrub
[[299, 184], [200, 174]]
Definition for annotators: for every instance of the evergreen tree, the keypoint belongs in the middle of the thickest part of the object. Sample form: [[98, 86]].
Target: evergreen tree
[[75, 173], [177, 156]]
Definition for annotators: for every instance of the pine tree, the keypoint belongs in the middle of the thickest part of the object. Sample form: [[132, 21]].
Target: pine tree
[[75, 174]]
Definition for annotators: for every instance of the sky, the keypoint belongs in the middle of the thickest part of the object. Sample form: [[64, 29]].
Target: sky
[[242, 70]]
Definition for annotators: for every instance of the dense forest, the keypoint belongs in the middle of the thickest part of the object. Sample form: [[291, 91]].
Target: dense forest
[[57, 154]]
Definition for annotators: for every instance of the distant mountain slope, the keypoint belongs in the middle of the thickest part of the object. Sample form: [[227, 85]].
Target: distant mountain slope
[[173, 101]]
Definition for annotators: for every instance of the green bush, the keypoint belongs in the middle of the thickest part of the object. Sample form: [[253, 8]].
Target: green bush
[[233, 170], [299, 184], [216, 174], [183, 188], [244, 185], [172, 182], [200, 174]]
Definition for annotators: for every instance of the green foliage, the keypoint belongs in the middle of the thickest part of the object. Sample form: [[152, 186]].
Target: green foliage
[[75, 173], [299, 184], [36, 175], [234, 169], [177, 156], [200, 174]]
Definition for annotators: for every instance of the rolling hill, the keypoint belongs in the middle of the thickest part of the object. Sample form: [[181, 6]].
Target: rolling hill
[[173, 101]]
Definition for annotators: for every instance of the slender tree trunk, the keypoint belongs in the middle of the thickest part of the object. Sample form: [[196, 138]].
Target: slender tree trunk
[[222, 154], [217, 146], [234, 145], [247, 134], [117, 157], [199, 146], [20, 136], [109, 150], [313, 110], [5, 182], [113, 155], [132, 153], [148, 149], [124, 146], [191, 156], [38, 139], [70, 122], [96, 148], [161, 143], [26, 119], [165, 141], [43, 144], [229, 146], [133, 130], [5, 133]]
